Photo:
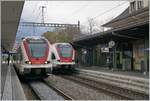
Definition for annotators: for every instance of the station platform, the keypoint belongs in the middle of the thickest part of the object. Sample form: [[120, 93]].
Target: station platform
[[11, 88], [115, 71], [133, 80]]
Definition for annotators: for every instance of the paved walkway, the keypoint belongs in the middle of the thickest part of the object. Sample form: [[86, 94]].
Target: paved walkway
[[4, 69], [11, 88], [121, 72]]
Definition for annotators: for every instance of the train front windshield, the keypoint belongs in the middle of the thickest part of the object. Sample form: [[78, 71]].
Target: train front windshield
[[65, 50], [38, 49]]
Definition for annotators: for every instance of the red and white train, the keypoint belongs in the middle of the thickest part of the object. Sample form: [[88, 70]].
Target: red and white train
[[63, 55], [35, 56]]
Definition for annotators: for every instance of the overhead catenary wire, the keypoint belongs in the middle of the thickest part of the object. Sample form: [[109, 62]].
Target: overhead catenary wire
[[37, 17], [45, 11], [109, 10], [81, 8], [40, 11], [35, 8], [101, 14], [45, 4], [34, 11]]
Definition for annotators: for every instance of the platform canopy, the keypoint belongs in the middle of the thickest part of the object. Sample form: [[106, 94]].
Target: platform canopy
[[127, 26], [11, 14]]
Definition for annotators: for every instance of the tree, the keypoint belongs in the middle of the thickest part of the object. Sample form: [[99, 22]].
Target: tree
[[51, 36], [68, 33], [91, 24], [99, 27], [65, 34]]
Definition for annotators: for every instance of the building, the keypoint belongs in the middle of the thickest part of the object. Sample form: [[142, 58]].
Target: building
[[125, 46]]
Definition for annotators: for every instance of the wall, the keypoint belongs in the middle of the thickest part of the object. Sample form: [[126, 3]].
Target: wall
[[138, 55], [145, 3]]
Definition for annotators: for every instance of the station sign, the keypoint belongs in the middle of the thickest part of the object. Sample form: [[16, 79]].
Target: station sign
[[105, 50], [12, 52], [84, 51]]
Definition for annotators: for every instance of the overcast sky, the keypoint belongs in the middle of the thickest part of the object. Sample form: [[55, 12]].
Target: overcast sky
[[72, 11]]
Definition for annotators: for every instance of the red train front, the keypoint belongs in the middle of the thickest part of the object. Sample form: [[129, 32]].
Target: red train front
[[36, 52], [63, 55]]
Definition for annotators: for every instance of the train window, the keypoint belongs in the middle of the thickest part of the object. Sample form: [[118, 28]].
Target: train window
[[65, 50], [37, 50]]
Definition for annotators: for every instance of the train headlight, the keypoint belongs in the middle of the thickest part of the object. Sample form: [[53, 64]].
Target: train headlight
[[28, 62], [47, 62]]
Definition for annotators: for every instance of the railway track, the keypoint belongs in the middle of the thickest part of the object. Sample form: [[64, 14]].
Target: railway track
[[46, 91], [112, 90], [136, 84], [66, 96]]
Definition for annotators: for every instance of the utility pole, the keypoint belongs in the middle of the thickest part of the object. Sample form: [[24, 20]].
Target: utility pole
[[42, 19], [78, 26]]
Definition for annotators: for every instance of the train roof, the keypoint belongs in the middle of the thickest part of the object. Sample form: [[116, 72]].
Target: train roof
[[34, 37], [62, 43]]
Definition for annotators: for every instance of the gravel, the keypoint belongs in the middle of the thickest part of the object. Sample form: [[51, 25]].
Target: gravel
[[77, 91], [45, 92], [28, 92]]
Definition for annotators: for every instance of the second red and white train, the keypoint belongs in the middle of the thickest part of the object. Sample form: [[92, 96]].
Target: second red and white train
[[62, 55]]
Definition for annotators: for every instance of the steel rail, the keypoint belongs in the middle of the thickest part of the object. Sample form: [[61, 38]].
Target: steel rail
[[67, 97], [107, 88], [58, 91]]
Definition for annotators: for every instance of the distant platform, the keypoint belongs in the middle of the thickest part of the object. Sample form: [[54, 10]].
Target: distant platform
[[136, 81], [121, 72]]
